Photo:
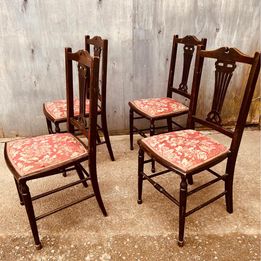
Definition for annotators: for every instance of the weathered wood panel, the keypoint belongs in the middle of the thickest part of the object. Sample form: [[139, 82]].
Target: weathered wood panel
[[33, 35]]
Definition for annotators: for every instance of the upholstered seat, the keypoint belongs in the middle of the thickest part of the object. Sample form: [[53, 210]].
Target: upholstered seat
[[57, 108], [37, 154], [158, 107], [185, 150]]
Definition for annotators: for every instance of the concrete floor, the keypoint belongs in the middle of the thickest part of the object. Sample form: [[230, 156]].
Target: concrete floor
[[131, 231]]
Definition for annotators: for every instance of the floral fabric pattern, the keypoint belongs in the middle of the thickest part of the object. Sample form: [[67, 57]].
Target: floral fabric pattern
[[186, 149], [159, 106], [58, 108], [31, 155]]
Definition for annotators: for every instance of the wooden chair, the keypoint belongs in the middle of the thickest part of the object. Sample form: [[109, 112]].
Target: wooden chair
[[46, 155], [55, 111], [154, 109], [189, 152]]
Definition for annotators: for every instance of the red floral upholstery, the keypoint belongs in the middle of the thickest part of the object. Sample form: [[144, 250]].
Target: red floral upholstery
[[33, 155], [186, 149], [154, 107], [58, 109]]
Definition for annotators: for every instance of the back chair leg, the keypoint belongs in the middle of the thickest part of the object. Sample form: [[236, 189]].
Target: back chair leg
[[80, 174], [96, 190], [57, 128], [169, 123], [140, 174], [131, 128], [49, 126], [152, 132], [106, 134], [190, 180], [30, 213], [182, 210], [229, 194]]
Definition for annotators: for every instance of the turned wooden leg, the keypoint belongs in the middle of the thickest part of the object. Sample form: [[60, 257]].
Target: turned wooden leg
[[30, 213], [182, 210], [140, 174]]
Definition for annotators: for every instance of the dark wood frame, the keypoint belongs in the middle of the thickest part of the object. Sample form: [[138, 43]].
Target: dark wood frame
[[226, 59], [91, 65], [189, 42], [100, 49]]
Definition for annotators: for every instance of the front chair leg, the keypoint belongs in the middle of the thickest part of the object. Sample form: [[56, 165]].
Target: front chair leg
[[182, 210], [30, 213], [19, 193], [140, 175]]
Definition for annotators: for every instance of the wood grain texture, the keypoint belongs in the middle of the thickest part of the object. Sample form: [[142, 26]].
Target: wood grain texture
[[33, 35]]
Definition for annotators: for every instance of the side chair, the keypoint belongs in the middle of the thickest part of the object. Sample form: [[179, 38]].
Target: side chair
[[154, 109], [55, 111], [42, 156], [190, 152]]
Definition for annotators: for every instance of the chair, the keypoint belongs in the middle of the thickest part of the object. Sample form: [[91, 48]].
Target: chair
[[46, 155], [55, 111], [154, 109], [189, 152]]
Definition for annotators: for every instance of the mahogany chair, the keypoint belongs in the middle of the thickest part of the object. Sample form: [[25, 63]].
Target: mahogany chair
[[55, 111], [46, 155], [154, 109], [189, 152]]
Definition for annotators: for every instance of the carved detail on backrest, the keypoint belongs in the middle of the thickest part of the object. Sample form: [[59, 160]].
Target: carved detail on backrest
[[189, 44], [98, 44], [83, 78], [223, 75], [188, 54]]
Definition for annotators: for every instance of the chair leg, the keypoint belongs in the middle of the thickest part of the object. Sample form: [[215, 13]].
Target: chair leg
[[229, 194], [169, 123], [152, 132], [57, 128], [19, 193], [106, 134], [30, 213], [98, 137], [49, 126], [182, 210], [190, 180], [80, 174], [140, 174], [96, 189], [131, 128]]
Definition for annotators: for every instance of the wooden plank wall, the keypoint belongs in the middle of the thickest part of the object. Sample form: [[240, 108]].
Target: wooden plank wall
[[33, 34]]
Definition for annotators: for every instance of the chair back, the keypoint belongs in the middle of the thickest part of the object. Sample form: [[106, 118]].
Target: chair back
[[97, 46], [88, 71], [189, 43], [225, 62]]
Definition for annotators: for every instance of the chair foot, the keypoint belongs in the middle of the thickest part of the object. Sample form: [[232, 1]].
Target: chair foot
[[38, 246], [139, 201], [181, 243], [64, 174]]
